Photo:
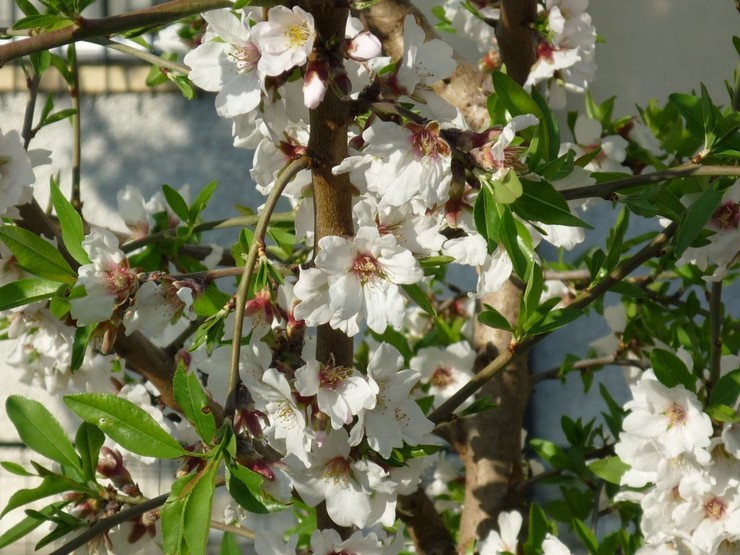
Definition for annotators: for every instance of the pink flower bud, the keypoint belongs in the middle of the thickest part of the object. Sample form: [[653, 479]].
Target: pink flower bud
[[315, 83], [364, 46]]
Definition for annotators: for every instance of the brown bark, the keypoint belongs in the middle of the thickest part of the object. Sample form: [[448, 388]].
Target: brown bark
[[327, 146]]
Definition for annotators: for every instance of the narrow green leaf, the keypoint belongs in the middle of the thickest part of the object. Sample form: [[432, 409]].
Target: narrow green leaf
[[696, 217], [26, 291], [609, 469], [40, 431], [726, 390], [125, 423], [89, 440], [485, 214], [15, 468], [709, 118], [42, 21], [50, 485], [556, 319], [27, 7], [59, 116], [202, 199], [508, 233], [229, 545], [723, 413], [176, 202], [28, 524], [586, 535], [416, 294], [79, 345], [173, 517], [494, 319], [671, 370], [197, 517], [48, 107], [36, 256], [193, 401], [538, 529]]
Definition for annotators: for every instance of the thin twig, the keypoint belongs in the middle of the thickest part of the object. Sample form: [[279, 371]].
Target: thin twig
[[258, 243], [32, 83], [102, 526], [238, 221], [236, 530], [74, 95], [445, 411], [144, 55], [608, 189], [715, 327], [586, 364]]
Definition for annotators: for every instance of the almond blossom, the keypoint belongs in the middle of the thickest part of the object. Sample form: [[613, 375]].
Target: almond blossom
[[108, 279], [445, 369], [227, 61], [362, 277], [16, 172], [285, 40]]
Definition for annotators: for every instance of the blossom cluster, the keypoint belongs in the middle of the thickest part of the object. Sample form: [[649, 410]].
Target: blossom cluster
[[684, 471]]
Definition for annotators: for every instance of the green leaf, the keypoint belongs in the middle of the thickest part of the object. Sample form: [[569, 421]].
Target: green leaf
[[494, 319], [696, 217], [26, 291], [79, 345], [26, 7], [42, 21], [689, 106], [40, 431], [15, 468], [28, 524], [36, 256], [709, 118], [517, 241], [416, 294], [245, 487], [671, 370], [538, 529], [556, 319], [125, 423], [723, 413], [176, 202], [173, 516], [229, 545], [479, 405], [52, 484], [202, 199], [197, 516], [59, 116], [89, 440], [193, 401], [609, 469], [508, 189], [586, 535], [486, 217], [540, 202], [183, 83], [726, 390]]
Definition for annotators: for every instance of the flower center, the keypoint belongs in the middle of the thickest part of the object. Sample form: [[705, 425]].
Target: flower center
[[336, 471], [297, 35], [426, 141], [365, 267], [714, 509], [331, 377], [120, 280], [245, 58], [727, 216], [676, 415], [442, 377]]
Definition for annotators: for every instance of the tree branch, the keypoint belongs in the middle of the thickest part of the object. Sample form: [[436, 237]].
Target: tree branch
[[83, 29], [445, 411]]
